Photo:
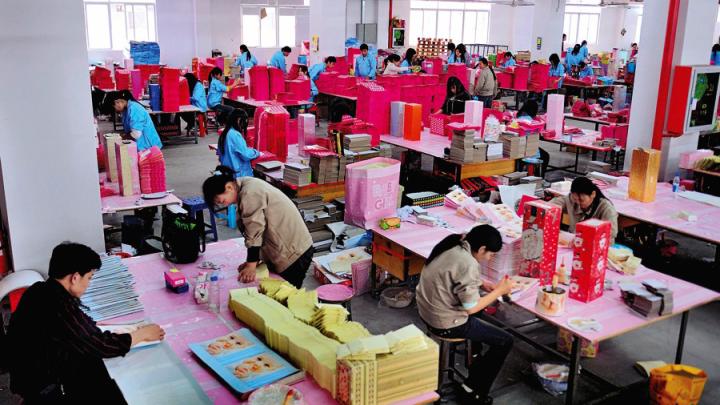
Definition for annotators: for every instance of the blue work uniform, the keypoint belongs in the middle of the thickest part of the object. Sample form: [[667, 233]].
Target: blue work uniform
[[243, 61], [715, 58], [136, 118], [365, 67], [583, 52], [215, 93], [278, 60], [198, 97], [451, 58], [237, 154], [558, 71], [314, 72], [572, 60], [588, 71], [508, 63]]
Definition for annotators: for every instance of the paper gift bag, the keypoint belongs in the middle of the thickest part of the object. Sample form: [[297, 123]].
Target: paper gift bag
[[564, 344], [276, 81], [109, 141], [306, 132], [274, 124], [555, 116], [590, 250], [259, 83], [126, 156], [397, 118], [676, 384], [474, 112], [541, 230], [371, 191], [644, 174], [412, 122]]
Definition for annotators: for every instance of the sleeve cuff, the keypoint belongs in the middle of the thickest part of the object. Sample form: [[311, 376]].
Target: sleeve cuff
[[469, 305], [253, 254]]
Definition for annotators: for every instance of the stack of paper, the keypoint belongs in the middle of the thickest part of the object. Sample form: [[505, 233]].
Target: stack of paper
[[456, 198], [346, 332], [152, 171], [537, 181], [110, 292], [297, 174], [268, 166], [480, 152], [366, 348], [532, 144], [357, 142], [327, 315], [406, 340], [462, 146], [303, 304], [513, 145], [325, 169], [494, 150], [523, 286], [425, 199]]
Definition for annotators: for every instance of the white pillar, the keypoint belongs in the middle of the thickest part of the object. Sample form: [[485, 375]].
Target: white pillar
[[548, 22], [47, 145], [327, 20]]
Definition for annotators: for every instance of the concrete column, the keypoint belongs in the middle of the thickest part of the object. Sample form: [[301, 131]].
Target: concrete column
[[327, 20], [49, 182]]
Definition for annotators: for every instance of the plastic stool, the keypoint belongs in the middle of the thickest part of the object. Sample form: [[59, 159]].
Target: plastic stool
[[448, 349], [336, 294], [195, 206], [230, 217]]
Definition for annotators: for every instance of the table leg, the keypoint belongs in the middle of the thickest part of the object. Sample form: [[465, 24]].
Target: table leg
[[577, 158], [373, 280], [574, 370], [681, 338], [594, 155]]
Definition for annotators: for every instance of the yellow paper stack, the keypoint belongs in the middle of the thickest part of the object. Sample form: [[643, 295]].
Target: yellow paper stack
[[327, 315], [303, 305], [255, 309], [346, 332], [406, 340]]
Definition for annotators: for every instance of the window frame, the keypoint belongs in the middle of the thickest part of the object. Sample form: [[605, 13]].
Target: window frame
[[437, 8], [279, 8], [579, 13], [125, 3]]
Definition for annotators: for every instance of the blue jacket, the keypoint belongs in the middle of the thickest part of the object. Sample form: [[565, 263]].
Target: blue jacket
[[510, 62], [451, 58], [246, 64], [572, 60], [314, 72], [715, 58], [137, 118], [278, 60], [558, 71], [583, 52], [588, 71], [237, 154], [215, 93], [198, 97], [365, 67]]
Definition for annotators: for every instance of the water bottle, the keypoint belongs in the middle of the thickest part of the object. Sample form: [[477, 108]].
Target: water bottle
[[676, 183], [214, 293]]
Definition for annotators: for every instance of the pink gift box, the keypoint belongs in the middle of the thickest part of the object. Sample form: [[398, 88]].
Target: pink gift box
[[520, 79], [504, 80], [259, 83], [240, 91], [276, 79], [590, 250], [460, 71], [273, 129], [688, 159], [539, 77], [299, 88], [456, 124], [541, 229], [373, 106], [617, 132], [437, 123]]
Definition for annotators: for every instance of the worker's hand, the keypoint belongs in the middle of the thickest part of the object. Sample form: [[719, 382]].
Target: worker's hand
[[149, 333], [247, 272], [505, 286]]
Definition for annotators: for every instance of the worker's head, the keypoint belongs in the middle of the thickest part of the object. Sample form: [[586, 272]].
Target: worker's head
[[364, 49], [483, 62], [220, 189], [554, 59], [564, 37], [585, 193], [243, 48], [410, 55], [454, 86], [576, 49], [582, 64], [584, 43], [460, 51], [530, 109], [508, 55], [451, 47], [73, 265], [286, 50], [330, 62], [238, 120], [634, 46], [191, 81], [303, 71], [216, 73], [716, 48], [394, 59], [484, 241], [122, 100]]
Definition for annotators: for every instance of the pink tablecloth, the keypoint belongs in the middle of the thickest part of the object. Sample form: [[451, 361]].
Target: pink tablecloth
[[118, 203], [584, 141], [429, 144]]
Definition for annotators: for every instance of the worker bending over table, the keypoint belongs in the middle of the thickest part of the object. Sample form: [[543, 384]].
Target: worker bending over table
[[215, 93], [57, 350], [278, 58], [246, 60], [365, 66], [232, 150], [136, 121], [316, 69], [269, 221], [586, 201], [448, 293], [455, 97]]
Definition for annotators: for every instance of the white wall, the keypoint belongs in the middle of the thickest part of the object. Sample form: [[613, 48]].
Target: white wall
[[328, 22], [176, 31], [611, 22], [501, 25], [49, 165], [630, 24], [522, 29], [548, 18]]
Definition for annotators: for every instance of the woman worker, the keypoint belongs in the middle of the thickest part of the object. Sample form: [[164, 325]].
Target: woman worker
[[233, 151], [509, 60], [136, 122], [485, 86], [270, 222], [557, 70], [197, 98], [586, 201], [455, 97], [450, 52], [448, 294], [246, 59], [215, 93]]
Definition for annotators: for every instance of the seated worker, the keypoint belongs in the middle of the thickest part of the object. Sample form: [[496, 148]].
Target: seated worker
[[233, 151], [509, 60], [449, 293], [197, 98], [278, 58], [455, 97], [136, 122], [246, 59], [586, 201], [269, 221], [573, 58], [393, 66], [57, 351], [316, 69], [584, 52], [215, 93], [365, 66], [585, 70], [557, 69], [450, 52], [409, 59]]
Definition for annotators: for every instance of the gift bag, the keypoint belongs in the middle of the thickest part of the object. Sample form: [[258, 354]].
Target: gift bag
[[127, 168], [371, 191], [564, 344], [108, 143], [676, 384]]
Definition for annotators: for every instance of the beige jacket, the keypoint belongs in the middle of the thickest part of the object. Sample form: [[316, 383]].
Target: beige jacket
[[605, 211], [449, 281], [485, 84], [268, 219]]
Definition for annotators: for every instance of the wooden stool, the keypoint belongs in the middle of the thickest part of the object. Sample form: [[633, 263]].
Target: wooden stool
[[336, 294], [449, 347]]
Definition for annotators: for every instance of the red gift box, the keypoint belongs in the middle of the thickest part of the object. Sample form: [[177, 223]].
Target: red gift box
[[122, 79], [590, 250], [184, 92], [521, 76], [460, 71], [539, 76], [147, 70], [504, 80], [218, 61], [373, 106], [326, 82], [170, 89], [437, 123], [300, 89], [273, 130], [277, 81], [205, 70], [259, 83], [617, 132], [436, 65], [240, 91], [351, 54], [541, 229]]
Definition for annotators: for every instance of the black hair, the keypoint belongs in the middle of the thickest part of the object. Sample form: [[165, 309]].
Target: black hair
[[215, 184], [530, 108], [576, 49], [482, 235], [363, 47], [393, 58], [582, 64], [70, 258], [633, 44], [191, 81], [303, 69], [451, 47], [124, 95], [554, 60], [238, 120], [215, 71], [583, 185], [459, 88], [508, 54], [463, 52], [409, 55], [487, 63], [244, 48], [716, 48], [330, 59], [584, 42], [564, 35], [286, 49]]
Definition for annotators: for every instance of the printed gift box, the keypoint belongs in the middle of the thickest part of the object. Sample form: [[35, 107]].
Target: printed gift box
[[541, 229], [591, 243]]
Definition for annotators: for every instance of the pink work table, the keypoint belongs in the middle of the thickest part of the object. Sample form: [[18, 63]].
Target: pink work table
[[429, 144], [117, 203]]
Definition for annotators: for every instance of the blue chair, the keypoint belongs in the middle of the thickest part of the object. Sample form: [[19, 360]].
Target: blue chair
[[230, 217], [195, 206]]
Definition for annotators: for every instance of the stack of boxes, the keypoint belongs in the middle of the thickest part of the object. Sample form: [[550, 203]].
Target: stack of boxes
[[170, 89], [462, 147], [297, 174], [532, 144], [513, 146], [356, 142], [373, 106], [590, 250]]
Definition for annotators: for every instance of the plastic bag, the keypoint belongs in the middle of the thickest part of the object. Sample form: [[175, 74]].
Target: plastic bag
[[552, 377]]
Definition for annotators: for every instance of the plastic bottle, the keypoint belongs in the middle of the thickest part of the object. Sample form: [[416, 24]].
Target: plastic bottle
[[676, 183], [214, 293]]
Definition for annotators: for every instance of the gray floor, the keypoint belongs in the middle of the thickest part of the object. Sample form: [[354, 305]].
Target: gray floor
[[189, 164]]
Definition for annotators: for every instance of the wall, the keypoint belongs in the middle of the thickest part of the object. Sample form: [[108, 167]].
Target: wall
[[330, 30], [630, 24], [352, 17], [501, 25], [522, 28], [49, 165], [176, 31], [611, 22], [548, 18]]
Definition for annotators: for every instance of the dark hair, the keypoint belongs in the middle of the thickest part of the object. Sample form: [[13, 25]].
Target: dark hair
[[191, 81], [582, 64], [303, 69], [215, 184], [633, 44], [286, 49], [584, 42], [450, 46], [330, 59], [215, 71], [393, 58], [69, 258], [363, 47], [583, 185], [564, 35], [459, 88], [554, 60], [482, 235], [409, 55], [508, 54], [484, 61], [244, 48], [124, 95], [576, 49], [530, 108], [716, 48], [238, 120], [463, 52]]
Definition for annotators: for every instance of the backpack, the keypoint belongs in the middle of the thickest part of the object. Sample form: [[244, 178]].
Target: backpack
[[183, 238]]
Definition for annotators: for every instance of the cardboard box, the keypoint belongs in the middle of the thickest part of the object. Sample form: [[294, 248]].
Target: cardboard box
[[644, 174], [412, 121], [591, 243], [541, 229]]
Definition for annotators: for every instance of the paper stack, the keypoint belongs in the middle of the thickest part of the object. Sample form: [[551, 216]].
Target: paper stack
[[425, 199], [110, 293], [462, 146], [306, 132], [268, 166], [303, 305], [127, 168], [513, 145], [456, 198], [357, 142], [532, 144], [346, 331], [406, 340], [325, 169], [109, 141], [480, 152], [297, 174], [152, 171], [329, 314], [537, 181], [494, 150]]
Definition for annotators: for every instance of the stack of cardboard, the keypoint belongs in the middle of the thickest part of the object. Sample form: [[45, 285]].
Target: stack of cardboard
[[297, 174], [268, 166], [532, 144], [481, 149], [462, 147], [494, 150], [513, 145], [325, 169], [357, 142]]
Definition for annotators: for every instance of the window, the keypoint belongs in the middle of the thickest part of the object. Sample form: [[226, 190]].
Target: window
[[581, 23], [281, 23], [111, 24], [637, 29], [455, 20]]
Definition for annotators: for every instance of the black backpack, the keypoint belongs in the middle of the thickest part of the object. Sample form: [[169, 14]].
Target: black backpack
[[183, 238]]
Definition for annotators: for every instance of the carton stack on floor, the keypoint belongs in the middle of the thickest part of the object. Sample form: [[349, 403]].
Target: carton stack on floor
[[297, 174], [532, 144]]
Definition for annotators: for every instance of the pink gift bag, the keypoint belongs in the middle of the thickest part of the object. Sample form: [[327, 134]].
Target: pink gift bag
[[277, 81], [259, 83], [371, 191], [305, 132], [126, 157]]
